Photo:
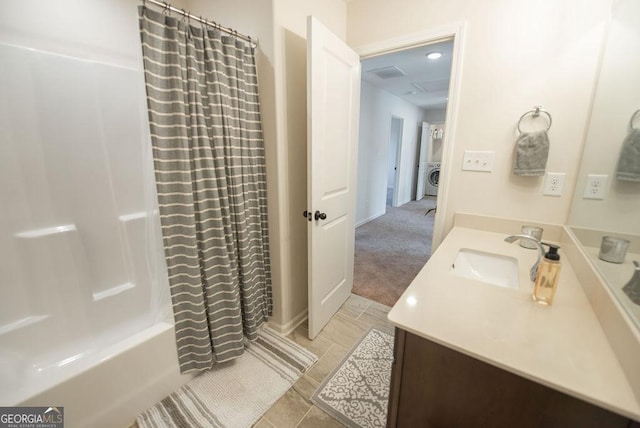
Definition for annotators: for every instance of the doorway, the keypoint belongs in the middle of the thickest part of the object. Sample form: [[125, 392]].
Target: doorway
[[394, 234], [395, 145]]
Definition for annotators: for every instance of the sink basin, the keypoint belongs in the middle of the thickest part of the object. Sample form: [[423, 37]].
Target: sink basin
[[494, 269]]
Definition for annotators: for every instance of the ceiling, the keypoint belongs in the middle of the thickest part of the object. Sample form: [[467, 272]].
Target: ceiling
[[415, 79]]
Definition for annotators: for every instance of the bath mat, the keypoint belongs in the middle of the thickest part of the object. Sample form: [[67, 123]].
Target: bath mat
[[236, 393], [357, 392]]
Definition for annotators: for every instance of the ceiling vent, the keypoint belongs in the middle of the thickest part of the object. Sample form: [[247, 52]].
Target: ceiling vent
[[387, 72], [432, 85]]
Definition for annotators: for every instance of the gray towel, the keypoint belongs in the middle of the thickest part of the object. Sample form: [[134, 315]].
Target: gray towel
[[629, 162], [532, 152]]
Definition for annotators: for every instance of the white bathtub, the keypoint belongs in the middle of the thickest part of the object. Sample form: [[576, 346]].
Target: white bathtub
[[110, 387], [84, 285]]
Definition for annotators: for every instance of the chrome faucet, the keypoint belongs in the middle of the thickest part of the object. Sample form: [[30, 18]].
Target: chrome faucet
[[632, 289], [533, 273]]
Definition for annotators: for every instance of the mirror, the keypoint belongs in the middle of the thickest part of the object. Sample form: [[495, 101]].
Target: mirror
[[617, 213]]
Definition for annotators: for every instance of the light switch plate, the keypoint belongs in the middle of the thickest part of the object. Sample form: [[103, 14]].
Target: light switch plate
[[478, 160]]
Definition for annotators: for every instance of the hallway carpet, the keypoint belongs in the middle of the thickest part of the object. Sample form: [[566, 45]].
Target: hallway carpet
[[391, 250]]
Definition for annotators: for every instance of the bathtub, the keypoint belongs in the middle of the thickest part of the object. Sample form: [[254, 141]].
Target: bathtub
[[84, 291], [109, 387]]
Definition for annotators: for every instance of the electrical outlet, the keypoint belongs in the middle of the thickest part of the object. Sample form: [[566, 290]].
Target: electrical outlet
[[596, 186], [478, 161], [554, 183]]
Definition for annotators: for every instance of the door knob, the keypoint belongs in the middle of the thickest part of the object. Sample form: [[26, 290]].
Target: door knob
[[319, 216], [306, 214]]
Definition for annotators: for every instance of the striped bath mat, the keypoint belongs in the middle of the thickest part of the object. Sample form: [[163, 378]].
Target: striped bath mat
[[236, 393]]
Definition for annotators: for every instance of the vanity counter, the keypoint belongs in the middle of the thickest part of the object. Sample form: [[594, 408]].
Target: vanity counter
[[561, 346]]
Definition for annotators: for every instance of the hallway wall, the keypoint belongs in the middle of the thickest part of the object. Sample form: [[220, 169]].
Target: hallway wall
[[376, 109], [516, 55]]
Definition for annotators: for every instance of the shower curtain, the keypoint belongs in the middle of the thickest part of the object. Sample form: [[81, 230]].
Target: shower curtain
[[206, 133]]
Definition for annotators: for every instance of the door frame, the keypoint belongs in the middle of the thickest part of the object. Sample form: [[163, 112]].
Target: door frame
[[422, 145], [394, 198], [456, 32]]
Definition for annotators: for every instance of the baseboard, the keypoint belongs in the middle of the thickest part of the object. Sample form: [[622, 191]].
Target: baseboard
[[285, 329], [367, 220]]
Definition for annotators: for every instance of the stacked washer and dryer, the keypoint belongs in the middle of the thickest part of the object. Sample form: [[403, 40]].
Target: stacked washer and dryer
[[433, 176], [436, 134]]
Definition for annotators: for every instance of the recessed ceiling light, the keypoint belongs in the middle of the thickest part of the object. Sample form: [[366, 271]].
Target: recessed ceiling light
[[434, 55]]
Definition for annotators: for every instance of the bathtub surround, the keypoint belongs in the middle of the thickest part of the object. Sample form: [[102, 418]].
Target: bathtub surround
[[236, 393], [208, 151]]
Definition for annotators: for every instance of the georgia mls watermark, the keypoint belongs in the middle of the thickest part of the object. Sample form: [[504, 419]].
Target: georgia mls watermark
[[31, 417]]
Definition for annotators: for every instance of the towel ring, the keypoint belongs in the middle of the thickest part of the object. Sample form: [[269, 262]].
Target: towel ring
[[536, 112], [633, 117]]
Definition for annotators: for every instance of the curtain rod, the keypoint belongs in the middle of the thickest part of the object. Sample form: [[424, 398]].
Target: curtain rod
[[167, 6]]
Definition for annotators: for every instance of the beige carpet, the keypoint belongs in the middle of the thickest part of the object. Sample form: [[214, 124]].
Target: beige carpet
[[391, 250]]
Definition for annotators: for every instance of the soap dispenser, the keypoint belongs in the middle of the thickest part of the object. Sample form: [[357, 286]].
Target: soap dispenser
[[548, 273]]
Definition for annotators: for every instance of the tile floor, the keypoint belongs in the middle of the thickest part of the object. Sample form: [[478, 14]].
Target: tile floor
[[351, 322]]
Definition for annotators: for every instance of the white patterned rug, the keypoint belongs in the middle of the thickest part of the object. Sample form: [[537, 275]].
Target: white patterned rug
[[357, 392], [236, 393]]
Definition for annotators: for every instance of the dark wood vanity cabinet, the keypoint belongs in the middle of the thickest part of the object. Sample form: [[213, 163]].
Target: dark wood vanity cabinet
[[435, 386]]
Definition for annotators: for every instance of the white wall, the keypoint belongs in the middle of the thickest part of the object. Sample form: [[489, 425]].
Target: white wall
[[616, 100], [376, 109], [290, 38], [435, 115], [516, 54]]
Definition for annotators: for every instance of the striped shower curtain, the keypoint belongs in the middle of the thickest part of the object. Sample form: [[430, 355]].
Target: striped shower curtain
[[208, 152]]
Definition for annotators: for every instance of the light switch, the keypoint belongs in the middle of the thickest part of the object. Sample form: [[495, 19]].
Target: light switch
[[478, 161]]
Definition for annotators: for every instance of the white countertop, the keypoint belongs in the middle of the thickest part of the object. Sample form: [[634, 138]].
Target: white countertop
[[562, 346]]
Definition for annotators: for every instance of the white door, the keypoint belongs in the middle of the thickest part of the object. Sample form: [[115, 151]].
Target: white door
[[422, 161], [333, 104]]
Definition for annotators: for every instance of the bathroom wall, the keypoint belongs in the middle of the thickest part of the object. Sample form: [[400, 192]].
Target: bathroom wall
[[376, 108], [615, 101], [290, 38], [516, 54]]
